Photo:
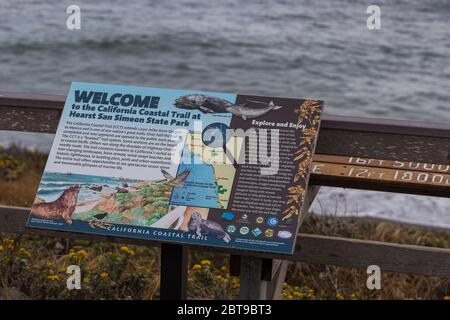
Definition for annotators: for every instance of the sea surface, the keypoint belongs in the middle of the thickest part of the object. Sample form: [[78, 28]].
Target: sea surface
[[295, 48], [53, 185]]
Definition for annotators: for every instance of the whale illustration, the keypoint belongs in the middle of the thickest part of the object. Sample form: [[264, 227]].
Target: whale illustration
[[249, 110]]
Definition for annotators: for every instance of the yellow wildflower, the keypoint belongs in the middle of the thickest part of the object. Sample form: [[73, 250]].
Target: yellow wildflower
[[1, 248], [446, 298], [104, 275], [127, 250], [53, 278], [289, 297], [339, 296], [83, 253], [196, 267], [86, 280], [25, 252], [205, 263]]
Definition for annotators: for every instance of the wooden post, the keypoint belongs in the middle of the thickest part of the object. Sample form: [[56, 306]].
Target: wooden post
[[276, 284], [174, 263], [251, 286], [261, 278]]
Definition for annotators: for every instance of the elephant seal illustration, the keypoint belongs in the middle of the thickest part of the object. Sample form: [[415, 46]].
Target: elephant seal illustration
[[63, 207]]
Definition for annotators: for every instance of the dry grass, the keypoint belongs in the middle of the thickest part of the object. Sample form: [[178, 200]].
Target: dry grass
[[36, 266], [20, 191], [330, 282]]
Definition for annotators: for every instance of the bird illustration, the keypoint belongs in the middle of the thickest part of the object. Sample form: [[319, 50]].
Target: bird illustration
[[176, 182], [100, 216]]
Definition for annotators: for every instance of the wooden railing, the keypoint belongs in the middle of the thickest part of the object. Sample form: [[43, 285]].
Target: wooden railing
[[373, 154]]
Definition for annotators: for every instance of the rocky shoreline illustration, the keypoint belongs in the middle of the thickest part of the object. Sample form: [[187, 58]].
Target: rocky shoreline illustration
[[142, 203]]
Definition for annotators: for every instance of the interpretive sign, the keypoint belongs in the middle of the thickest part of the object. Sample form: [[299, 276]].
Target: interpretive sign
[[207, 168]]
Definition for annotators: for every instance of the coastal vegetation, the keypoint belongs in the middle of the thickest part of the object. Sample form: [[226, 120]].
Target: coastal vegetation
[[34, 267]]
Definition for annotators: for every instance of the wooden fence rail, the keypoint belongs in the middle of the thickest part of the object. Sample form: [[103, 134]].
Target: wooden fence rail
[[405, 141], [373, 154], [310, 248]]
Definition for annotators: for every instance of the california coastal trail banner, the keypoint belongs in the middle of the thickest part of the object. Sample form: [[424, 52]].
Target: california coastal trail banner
[[206, 168]]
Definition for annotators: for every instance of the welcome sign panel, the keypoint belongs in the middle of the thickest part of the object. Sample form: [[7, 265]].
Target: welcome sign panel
[[206, 168]]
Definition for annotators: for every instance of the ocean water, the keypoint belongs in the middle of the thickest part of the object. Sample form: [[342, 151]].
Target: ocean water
[[299, 48], [53, 185]]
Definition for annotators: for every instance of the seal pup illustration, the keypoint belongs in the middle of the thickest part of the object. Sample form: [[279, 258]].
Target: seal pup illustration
[[202, 227], [176, 182], [63, 207], [249, 110]]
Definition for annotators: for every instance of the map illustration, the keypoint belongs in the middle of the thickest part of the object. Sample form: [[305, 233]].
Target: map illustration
[[211, 173]]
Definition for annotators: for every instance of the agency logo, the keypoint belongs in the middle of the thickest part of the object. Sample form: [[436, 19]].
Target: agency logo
[[272, 221], [259, 220], [268, 233], [227, 216], [244, 219], [284, 234], [244, 230], [231, 229], [256, 232]]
